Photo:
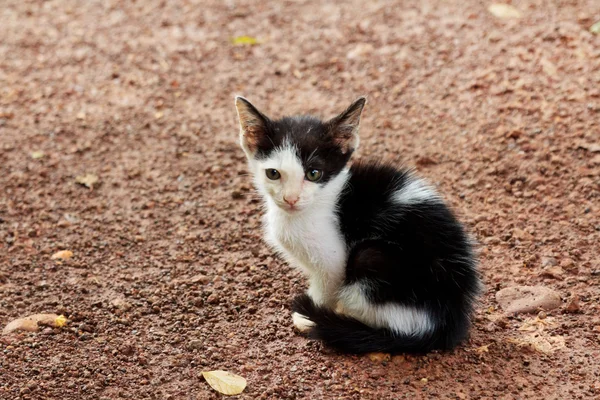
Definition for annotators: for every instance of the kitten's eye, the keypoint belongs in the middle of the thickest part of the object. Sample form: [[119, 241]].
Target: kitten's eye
[[273, 174], [314, 175]]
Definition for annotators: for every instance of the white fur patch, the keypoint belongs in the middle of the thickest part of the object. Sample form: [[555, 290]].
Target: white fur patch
[[415, 191], [301, 323], [310, 239], [291, 183], [401, 319]]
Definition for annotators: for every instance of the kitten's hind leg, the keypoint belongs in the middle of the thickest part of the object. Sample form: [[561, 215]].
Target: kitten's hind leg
[[374, 295]]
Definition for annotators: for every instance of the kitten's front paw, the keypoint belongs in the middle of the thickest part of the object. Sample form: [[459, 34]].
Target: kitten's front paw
[[301, 323]]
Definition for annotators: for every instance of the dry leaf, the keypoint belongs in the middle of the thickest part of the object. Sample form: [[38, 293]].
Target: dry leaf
[[36, 155], [538, 339], [541, 342], [483, 349], [32, 322], [87, 180], [21, 324], [537, 324], [595, 29], [504, 11], [62, 255], [60, 321], [225, 382], [244, 41]]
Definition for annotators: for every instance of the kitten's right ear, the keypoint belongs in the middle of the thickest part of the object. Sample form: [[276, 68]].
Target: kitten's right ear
[[253, 125]]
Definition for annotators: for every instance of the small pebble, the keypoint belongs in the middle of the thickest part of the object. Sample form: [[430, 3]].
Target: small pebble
[[542, 315], [126, 349], [549, 262], [195, 344], [527, 299], [573, 304], [213, 299], [567, 264]]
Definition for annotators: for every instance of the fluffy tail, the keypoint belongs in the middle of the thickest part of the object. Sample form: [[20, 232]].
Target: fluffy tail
[[348, 335]]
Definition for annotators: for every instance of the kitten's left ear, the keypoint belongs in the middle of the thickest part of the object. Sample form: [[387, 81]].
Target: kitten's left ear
[[344, 127]]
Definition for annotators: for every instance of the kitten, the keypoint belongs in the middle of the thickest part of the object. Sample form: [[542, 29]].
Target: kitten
[[389, 267]]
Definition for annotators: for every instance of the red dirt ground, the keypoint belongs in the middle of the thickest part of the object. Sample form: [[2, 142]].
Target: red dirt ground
[[170, 276]]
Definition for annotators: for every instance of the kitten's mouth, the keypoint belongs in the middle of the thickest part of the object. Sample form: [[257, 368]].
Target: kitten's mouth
[[290, 208]]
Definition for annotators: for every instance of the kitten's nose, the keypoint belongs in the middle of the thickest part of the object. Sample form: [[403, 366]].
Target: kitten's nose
[[291, 200]]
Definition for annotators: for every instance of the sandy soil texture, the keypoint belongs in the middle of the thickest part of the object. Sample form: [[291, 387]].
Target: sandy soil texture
[[169, 276]]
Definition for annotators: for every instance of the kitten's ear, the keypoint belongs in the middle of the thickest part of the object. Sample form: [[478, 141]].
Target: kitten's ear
[[253, 125], [344, 127]]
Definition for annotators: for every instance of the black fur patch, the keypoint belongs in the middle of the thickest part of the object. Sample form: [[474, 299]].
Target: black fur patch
[[313, 140], [413, 254]]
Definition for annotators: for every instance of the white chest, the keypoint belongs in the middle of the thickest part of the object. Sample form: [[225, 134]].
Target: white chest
[[311, 241]]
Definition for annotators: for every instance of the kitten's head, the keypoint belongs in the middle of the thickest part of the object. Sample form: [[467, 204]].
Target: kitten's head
[[294, 159]]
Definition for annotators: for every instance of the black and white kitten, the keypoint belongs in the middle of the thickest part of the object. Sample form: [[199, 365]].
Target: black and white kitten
[[389, 267]]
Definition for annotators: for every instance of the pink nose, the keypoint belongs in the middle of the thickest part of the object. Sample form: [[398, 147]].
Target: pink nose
[[290, 200]]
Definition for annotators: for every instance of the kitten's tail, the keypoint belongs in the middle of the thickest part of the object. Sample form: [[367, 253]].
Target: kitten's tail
[[348, 335]]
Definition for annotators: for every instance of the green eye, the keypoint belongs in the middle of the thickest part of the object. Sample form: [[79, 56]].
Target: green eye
[[273, 174], [314, 175]]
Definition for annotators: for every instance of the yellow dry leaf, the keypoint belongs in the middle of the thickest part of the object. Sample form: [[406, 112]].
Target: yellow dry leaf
[[244, 41], [225, 382], [36, 155], [87, 180], [483, 349], [504, 11], [62, 255], [60, 321], [595, 29]]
